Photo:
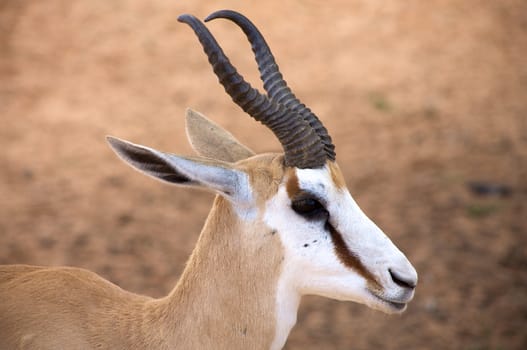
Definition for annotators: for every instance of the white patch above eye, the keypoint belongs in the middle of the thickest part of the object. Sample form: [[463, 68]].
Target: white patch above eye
[[316, 181]]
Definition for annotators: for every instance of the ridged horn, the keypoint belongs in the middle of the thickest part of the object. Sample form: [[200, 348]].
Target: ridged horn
[[273, 81], [303, 147]]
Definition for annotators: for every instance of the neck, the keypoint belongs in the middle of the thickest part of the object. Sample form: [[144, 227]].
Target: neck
[[227, 297]]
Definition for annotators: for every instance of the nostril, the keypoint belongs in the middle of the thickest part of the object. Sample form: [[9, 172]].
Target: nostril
[[401, 280]]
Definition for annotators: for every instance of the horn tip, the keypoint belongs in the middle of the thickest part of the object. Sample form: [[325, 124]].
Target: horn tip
[[221, 14], [213, 15], [185, 18]]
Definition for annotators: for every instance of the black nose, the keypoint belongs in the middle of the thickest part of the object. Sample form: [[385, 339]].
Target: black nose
[[402, 280]]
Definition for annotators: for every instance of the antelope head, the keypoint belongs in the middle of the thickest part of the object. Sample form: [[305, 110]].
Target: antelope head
[[329, 246]]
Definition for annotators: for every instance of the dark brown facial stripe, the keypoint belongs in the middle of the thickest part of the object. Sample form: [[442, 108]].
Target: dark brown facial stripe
[[292, 185], [349, 259]]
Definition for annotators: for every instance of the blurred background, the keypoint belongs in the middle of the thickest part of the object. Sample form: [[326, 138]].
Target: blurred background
[[426, 102]]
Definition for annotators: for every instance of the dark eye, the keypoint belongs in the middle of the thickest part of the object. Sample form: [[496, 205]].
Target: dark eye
[[308, 207]]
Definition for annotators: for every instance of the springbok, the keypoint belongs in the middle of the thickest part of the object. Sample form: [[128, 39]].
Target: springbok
[[282, 226]]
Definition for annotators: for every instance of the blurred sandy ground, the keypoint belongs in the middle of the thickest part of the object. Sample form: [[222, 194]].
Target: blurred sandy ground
[[421, 98]]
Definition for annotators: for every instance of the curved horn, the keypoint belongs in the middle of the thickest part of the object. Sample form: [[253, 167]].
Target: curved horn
[[274, 83], [303, 148]]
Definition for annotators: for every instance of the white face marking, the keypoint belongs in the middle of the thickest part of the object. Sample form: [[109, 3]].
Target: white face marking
[[311, 264]]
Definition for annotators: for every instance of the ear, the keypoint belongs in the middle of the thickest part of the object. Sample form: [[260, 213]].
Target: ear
[[215, 175], [212, 141]]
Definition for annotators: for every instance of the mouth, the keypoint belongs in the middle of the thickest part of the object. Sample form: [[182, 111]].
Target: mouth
[[390, 306]]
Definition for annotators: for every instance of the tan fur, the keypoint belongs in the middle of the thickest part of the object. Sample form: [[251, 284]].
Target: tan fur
[[224, 299], [336, 175]]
